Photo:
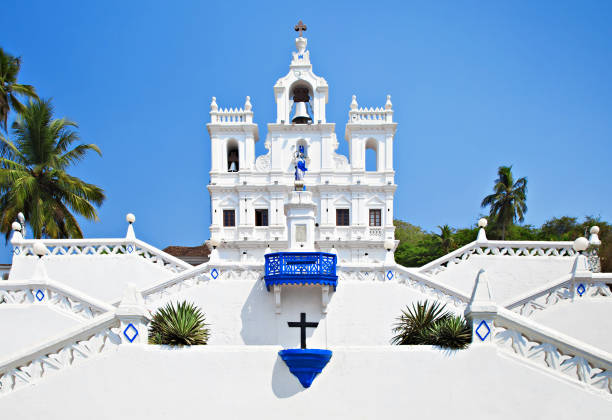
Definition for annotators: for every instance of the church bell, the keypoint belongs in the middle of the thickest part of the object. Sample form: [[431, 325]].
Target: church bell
[[300, 115]]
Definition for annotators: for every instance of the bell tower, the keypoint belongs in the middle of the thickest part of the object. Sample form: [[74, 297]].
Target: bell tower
[[300, 95]]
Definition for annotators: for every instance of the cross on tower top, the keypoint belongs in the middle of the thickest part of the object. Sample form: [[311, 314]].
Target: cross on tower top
[[300, 27]]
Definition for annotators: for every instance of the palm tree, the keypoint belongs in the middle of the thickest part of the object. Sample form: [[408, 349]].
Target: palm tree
[[445, 238], [9, 69], [33, 177], [508, 199]]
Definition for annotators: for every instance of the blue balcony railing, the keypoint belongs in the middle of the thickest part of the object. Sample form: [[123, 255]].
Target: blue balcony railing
[[301, 268]]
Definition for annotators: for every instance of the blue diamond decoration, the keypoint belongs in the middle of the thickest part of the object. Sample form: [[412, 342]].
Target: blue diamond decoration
[[581, 289], [389, 275], [16, 251], [484, 324], [130, 249], [39, 295], [214, 273], [130, 332]]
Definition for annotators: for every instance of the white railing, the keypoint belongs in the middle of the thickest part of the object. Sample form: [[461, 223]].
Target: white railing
[[499, 248], [55, 295], [402, 275], [202, 274], [563, 289], [376, 233], [231, 115], [102, 247], [370, 115], [66, 350], [546, 348]]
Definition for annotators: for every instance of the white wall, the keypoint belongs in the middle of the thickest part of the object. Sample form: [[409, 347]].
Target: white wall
[[243, 312], [253, 382], [586, 319], [508, 276], [24, 326], [103, 277]]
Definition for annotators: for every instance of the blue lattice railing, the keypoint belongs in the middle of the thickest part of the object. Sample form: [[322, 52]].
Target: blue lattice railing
[[301, 268]]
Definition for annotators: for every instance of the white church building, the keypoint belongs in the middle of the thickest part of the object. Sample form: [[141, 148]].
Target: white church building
[[354, 207], [302, 273]]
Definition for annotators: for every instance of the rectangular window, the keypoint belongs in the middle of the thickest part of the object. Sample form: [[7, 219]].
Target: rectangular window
[[229, 218], [374, 217], [342, 217], [261, 217]]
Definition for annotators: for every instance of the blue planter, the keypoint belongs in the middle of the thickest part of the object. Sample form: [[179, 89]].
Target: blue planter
[[305, 364]]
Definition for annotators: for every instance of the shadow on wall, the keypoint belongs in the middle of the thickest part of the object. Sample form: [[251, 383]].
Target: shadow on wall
[[284, 383], [258, 316]]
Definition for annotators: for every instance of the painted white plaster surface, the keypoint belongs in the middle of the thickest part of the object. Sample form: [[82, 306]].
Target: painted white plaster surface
[[359, 383], [243, 312], [586, 320], [102, 277], [24, 326], [508, 276]]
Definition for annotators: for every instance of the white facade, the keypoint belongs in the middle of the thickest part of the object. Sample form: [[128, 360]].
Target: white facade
[[337, 183], [74, 313]]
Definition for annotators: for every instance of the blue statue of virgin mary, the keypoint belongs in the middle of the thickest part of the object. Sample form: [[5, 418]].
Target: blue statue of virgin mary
[[300, 167]]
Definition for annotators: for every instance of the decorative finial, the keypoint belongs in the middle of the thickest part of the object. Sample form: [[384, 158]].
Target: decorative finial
[[354, 102], [300, 27], [581, 244], [16, 226], [247, 104], [594, 238], [213, 104], [130, 218], [388, 104], [482, 235]]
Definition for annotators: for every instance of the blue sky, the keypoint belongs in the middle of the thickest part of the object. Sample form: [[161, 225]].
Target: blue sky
[[475, 85]]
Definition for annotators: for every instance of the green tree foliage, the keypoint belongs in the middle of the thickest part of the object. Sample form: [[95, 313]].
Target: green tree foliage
[[507, 203], [428, 323], [180, 325], [34, 177], [417, 247], [9, 88]]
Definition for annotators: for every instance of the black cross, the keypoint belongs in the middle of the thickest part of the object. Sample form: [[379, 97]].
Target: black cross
[[303, 325], [299, 28]]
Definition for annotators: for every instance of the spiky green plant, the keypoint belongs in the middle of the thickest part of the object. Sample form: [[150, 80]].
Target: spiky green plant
[[412, 325], [180, 325], [428, 323], [452, 332]]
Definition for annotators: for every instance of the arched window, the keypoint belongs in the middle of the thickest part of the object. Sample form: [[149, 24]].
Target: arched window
[[371, 155], [233, 160], [302, 143]]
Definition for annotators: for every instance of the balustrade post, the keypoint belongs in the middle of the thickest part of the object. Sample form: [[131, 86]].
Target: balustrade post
[[133, 316], [481, 311]]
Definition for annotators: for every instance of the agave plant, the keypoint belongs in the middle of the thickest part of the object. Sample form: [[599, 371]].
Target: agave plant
[[182, 325], [413, 324], [428, 323], [452, 332]]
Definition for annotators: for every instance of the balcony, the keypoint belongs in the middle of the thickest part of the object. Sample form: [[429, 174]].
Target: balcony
[[301, 268]]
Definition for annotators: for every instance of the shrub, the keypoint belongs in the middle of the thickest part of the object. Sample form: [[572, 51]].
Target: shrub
[[453, 332], [182, 325], [428, 323], [413, 324]]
